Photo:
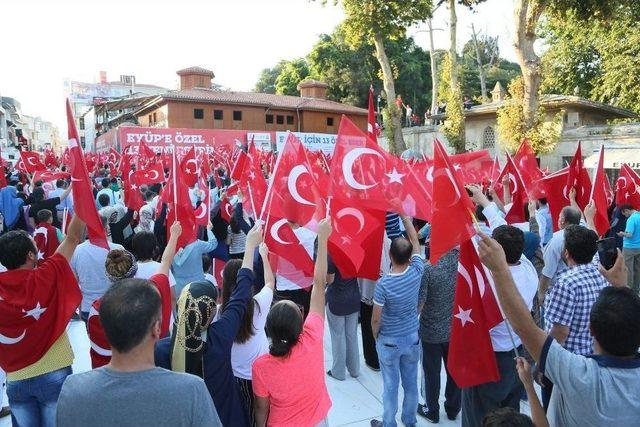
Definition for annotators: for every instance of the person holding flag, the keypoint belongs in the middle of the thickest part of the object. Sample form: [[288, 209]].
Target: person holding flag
[[37, 304]]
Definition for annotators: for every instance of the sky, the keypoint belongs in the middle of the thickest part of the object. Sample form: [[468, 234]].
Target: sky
[[51, 41]]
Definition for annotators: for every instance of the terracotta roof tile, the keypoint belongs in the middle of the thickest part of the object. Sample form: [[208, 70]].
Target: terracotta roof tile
[[195, 70], [260, 99]]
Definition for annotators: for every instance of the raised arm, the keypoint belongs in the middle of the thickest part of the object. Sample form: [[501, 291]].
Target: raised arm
[[66, 192], [492, 255], [72, 239], [320, 271], [254, 238], [412, 234], [269, 279], [170, 250]]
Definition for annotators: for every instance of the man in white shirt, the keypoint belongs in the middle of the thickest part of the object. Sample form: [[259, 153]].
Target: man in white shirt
[[87, 264], [478, 400], [553, 263], [114, 195], [67, 203]]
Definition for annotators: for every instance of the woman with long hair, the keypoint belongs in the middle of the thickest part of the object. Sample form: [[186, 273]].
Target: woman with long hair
[[202, 347], [251, 341], [289, 382]]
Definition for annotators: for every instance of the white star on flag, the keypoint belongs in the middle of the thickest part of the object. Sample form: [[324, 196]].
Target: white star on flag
[[252, 175], [35, 312], [457, 166], [345, 240], [40, 255], [394, 176], [464, 316], [134, 187]]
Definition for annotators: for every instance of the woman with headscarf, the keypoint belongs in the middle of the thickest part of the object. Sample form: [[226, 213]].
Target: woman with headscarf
[[10, 205], [203, 348], [289, 382], [122, 265]]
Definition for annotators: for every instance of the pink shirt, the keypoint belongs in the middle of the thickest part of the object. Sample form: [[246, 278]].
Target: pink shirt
[[295, 385]]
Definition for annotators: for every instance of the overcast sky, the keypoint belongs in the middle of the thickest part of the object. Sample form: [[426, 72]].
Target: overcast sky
[[45, 42]]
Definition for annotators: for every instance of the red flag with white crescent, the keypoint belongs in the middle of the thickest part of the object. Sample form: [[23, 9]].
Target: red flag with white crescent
[[628, 187]]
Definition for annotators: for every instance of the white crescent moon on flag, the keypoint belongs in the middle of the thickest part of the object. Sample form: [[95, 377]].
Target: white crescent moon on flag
[[100, 350], [29, 160], [227, 208], [354, 213], [155, 173], [465, 275], [43, 231], [292, 181], [347, 166], [201, 211], [455, 187], [195, 165], [512, 178], [430, 174], [275, 228], [9, 341], [480, 279]]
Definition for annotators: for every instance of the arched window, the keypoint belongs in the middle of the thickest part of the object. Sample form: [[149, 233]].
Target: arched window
[[488, 137]]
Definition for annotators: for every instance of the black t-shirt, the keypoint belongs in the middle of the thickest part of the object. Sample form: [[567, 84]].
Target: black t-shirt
[[343, 295], [49, 204]]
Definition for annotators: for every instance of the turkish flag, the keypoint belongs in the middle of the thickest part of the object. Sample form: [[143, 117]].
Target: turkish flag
[[202, 211], [294, 193], [628, 187], [452, 207], [35, 309], [284, 243], [50, 159], [407, 192], [114, 157], [31, 162], [471, 359], [359, 168], [238, 166], [599, 196], [527, 165], [252, 183], [46, 239], [578, 178], [355, 246], [152, 174], [46, 176], [179, 206], [518, 192], [226, 209], [145, 155], [83, 201], [189, 167]]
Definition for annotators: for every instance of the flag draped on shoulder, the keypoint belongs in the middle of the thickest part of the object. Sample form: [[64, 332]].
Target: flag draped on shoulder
[[84, 205], [471, 359]]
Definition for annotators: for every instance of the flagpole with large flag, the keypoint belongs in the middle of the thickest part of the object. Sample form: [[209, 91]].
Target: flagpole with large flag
[[84, 205]]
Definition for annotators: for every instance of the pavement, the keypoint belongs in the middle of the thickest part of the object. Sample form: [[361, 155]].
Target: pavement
[[356, 401]]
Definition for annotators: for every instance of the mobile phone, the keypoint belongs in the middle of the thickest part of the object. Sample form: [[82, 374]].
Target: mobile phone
[[607, 251]]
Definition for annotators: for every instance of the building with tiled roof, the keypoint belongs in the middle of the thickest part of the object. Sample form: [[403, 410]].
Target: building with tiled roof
[[200, 105]]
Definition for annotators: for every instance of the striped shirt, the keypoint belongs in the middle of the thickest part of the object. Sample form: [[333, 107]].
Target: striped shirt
[[569, 304], [237, 243], [392, 225], [397, 294]]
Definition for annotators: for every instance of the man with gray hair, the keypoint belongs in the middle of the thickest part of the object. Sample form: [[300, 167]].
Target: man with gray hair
[[553, 263]]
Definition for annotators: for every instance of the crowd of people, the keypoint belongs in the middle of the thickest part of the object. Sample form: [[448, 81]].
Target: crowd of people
[[176, 341]]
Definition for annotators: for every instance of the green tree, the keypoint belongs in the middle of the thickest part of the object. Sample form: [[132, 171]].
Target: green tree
[[527, 18], [267, 79], [600, 61], [378, 22], [292, 73], [543, 135]]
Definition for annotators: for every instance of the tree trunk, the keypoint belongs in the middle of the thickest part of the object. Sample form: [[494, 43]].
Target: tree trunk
[[396, 146], [453, 28], [527, 15], [481, 69], [434, 71]]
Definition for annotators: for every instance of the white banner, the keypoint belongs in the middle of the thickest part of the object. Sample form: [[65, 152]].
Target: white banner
[[312, 141]]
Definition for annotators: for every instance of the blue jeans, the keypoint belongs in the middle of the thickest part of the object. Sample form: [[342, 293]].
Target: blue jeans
[[33, 401], [399, 357]]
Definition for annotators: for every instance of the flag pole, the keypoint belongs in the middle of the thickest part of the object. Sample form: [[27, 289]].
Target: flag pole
[[253, 205], [175, 187]]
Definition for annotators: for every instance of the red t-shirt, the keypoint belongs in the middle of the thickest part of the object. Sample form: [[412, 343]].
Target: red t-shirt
[[100, 351], [295, 385]]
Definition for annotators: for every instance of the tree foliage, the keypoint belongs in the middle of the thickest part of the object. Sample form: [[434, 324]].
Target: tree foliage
[[543, 136], [453, 127], [292, 73], [599, 61]]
